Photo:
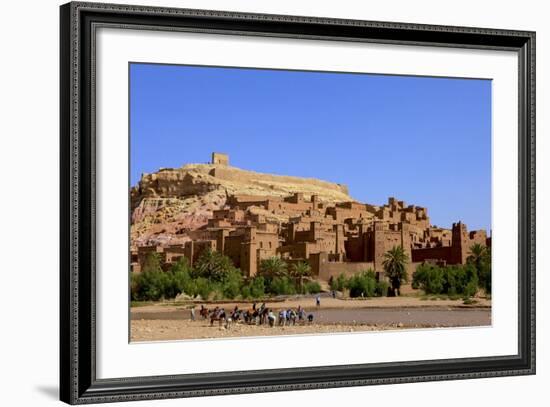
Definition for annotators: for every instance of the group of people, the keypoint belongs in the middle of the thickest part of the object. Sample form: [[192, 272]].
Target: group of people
[[258, 315], [291, 316]]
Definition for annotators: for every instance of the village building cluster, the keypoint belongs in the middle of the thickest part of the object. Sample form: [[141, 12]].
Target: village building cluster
[[345, 237], [335, 238]]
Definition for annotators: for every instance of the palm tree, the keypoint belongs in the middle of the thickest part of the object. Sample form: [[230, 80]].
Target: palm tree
[[299, 271], [477, 255], [394, 264], [273, 267], [480, 258], [213, 265]]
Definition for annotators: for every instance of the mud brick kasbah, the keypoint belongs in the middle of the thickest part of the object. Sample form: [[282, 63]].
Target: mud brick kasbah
[[334, 237]]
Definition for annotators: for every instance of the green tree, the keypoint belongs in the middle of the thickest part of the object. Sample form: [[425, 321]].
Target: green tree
[[254, 288], [181, 276], [213, 266], [232, 283], [298, 271], [480, 257], [282, 286], [395, 261], [273, 267], [362, 284], [451, 280], [476, 255], [150, 286], [312, 287], [430, 278], [151, 263]]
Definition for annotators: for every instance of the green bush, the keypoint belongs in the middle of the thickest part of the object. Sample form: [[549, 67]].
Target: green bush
[[312, 287], [339, 283], [429, 278], [154, 284], [362, 284], [151, 263], [257, 287], [484, 275], [282, 286], [231, 284], [382, 288], [150, 286], [203, 287], [480, 258], [254, 288], [181, 276], [449, 280]]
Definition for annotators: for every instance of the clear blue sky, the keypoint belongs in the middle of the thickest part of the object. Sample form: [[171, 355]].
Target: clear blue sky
[[426, 141]]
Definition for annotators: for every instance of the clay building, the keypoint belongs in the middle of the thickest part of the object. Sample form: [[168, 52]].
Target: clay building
[[345, 237]]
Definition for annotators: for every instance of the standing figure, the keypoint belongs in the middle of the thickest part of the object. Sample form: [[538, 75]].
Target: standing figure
[[271, 318]]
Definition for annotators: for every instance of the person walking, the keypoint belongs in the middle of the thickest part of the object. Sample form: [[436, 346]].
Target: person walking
[[193, 313], [318, 300]]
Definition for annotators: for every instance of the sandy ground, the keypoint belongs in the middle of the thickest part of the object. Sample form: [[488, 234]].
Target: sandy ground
[[165, 321], [165, 330], [309, 303]]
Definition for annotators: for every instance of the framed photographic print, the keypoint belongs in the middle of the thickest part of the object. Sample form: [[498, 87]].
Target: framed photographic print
[[256, 203]]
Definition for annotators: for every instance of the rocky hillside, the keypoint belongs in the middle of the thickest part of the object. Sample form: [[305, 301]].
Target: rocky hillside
[[167, 204]]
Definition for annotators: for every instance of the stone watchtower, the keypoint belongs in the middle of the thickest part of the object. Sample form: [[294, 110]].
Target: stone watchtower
[[220, 159], [460, 244]]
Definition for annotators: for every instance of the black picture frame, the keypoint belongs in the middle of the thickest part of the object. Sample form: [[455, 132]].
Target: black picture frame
[[78, 382]]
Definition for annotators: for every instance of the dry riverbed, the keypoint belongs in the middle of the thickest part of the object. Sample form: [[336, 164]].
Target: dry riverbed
[[171, 321]]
